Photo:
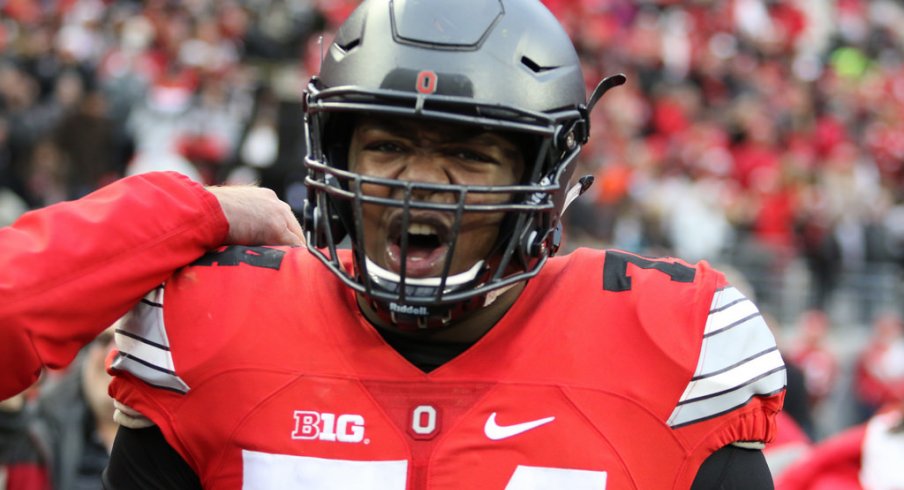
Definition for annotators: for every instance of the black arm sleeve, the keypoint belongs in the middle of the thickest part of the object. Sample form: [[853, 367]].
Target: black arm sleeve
[[142, 460], [734, 468]]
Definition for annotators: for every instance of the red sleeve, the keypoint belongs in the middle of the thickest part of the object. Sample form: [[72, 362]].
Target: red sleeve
[[70, 270]]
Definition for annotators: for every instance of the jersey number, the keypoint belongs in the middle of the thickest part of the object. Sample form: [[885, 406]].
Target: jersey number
[[615, 270], [265, 471], [267, 258]]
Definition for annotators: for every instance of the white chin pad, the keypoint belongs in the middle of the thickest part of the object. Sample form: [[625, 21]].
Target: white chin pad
[[451, 281]]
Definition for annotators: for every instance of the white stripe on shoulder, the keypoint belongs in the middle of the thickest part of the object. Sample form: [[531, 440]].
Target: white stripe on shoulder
[[725, 297], [144, 349], [738, 360], [729, 307], [707, 408]]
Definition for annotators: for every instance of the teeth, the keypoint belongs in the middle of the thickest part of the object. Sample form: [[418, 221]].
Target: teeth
[[421, 229]]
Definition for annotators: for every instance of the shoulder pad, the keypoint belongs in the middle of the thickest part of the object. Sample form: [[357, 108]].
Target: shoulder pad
[[738, 361], [144, 349]]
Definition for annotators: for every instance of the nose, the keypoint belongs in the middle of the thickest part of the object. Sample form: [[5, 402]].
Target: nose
[[424, 166], [430, 168]]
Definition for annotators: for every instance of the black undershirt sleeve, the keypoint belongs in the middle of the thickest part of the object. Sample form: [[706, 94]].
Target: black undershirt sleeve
[[141, 459], [734, 468]]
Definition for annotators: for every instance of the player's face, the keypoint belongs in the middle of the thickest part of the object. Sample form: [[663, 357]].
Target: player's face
[[431, 152]]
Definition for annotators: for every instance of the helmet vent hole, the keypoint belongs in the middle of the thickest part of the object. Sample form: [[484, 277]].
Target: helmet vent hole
[[534, 66], [350, 45]]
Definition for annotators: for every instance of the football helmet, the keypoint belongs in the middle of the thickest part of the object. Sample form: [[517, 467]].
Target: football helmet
[[501, 65]]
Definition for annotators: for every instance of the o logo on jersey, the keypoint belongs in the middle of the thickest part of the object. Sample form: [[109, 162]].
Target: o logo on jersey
[[424, 422], [426, 82], [328, 426]]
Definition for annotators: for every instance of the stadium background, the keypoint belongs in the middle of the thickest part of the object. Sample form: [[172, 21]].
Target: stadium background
[[765, 136]]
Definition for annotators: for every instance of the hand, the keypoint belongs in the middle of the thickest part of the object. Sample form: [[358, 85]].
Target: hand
[[257, 217]]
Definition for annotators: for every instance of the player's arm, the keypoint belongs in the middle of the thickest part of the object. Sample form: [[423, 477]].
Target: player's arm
[[734, 468], [141, 459], [70, 270]]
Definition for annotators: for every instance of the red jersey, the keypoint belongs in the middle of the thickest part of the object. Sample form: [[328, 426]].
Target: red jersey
[[610, 371], [70, 270]]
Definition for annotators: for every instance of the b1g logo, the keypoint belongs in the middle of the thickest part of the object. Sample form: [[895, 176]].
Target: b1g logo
[[329, 427]]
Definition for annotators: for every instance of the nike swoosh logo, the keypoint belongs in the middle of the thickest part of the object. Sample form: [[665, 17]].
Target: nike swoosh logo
[[498, 432]]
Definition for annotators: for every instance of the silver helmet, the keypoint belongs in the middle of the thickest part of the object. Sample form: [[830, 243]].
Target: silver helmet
[[500, 65]]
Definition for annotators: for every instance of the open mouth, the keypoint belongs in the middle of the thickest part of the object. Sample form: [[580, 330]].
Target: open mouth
[[427, 244]]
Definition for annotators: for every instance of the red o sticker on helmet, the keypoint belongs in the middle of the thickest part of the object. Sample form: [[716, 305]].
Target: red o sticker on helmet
[[426, 82]]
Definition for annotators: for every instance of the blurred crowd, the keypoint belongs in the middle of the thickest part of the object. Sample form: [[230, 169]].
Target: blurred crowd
[[754, 131], [751, 133], [93, 90]]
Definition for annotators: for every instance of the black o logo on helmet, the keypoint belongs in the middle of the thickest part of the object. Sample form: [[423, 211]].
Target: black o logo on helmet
[[426, 82]]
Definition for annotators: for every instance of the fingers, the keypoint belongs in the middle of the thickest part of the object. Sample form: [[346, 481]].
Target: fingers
[[290, 238], [294, 229], [256, 216], [292, 233], [286, 229]]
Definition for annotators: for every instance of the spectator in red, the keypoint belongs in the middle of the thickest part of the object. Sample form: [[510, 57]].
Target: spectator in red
[[790, 445], [23, 465], [867, 456], [810, 352], [879, 369]]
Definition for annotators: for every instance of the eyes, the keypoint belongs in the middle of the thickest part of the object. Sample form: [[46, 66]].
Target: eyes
[[462, 153]]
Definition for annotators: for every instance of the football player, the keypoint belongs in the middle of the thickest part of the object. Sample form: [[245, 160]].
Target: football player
[[69, 270], [447, 348]]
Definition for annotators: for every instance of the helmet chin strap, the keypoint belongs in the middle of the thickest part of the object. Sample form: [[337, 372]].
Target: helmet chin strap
[[420, 317], [576, 190]]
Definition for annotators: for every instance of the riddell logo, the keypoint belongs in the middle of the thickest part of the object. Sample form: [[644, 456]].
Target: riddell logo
[[408, 309], [329, 427]]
